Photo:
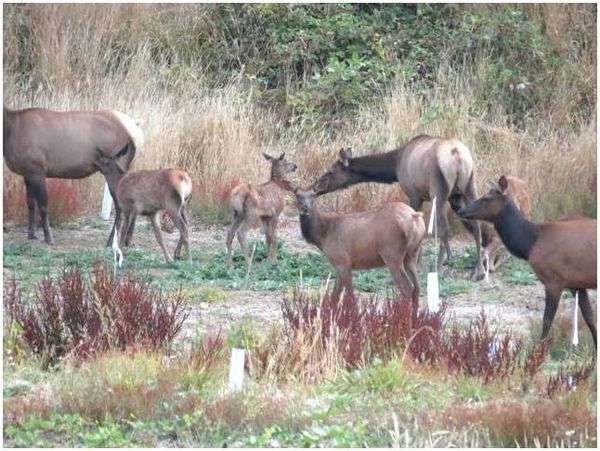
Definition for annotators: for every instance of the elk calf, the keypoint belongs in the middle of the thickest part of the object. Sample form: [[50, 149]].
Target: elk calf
[[149, 193], [561, 253], [389, 236], [491, 243], [260, 206]]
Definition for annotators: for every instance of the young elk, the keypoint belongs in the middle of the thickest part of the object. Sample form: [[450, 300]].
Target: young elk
[[149, 193], [491, 243], [256, 206], [389, 236], [561, 253]]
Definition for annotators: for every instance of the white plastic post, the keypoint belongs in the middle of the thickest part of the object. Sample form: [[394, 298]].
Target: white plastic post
[[236, 370], [106, 203], [433, 286], [575, 332]]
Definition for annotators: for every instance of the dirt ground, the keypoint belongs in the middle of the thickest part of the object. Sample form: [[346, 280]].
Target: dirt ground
[[506, 305]]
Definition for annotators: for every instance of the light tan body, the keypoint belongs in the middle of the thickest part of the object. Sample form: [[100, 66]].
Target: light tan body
[[492, 247], [41, 143], [389, 236], [259, 206], [149, 193]]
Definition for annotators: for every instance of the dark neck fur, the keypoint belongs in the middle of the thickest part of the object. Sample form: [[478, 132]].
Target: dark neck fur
[[310, 226], [376, 168], [516, 232]]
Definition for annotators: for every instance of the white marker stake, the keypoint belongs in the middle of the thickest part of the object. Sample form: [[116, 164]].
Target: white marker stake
[[433, 292], [575, 333], [433, 286], [236, 370], [106, 203], [487, 268]]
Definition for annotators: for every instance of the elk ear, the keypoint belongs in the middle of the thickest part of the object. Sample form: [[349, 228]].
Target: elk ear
[[282, 156], [345, 156], [503, 183], [267, 157]]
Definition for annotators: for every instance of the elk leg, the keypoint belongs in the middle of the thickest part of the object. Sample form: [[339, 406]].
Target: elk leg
[[38, 185], [30, 209], [343, 280], [587, 312], [457, 202], [440, 190], [410, 265], [552, 298], [416, 203], [111, 189], [128, 217], [241, 236], [129, 234], [158, 235], [271, 235], [237, 222], [181, 225]]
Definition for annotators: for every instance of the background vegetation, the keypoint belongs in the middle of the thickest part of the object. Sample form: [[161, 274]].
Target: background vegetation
[[213, 85]]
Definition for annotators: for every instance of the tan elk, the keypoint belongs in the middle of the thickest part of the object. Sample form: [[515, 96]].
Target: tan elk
[[426, 168], [388, 236], [41, 143], [491, 243], [561, 253], [149, 193], [260, 206]]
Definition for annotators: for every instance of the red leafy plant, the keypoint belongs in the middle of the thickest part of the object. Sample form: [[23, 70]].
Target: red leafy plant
[[69, 315]]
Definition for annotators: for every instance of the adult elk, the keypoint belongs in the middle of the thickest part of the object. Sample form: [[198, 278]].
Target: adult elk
[[426, 168], [388, 236], [256, 206], [490, 241], [561, 253], [41, 143]]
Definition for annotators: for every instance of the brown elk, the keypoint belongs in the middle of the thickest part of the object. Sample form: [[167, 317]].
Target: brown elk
[[561, 253], [260, 206], [491, 243], [388, 236], [41, 143], [149, 193], [426, 168]]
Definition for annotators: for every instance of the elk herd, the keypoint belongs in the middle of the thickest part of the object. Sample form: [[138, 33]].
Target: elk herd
[[40, 143]]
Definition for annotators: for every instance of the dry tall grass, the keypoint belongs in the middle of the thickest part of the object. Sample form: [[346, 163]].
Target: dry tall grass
[[118, 56]]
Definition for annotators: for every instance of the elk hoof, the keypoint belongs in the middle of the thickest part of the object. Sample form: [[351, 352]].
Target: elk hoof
[[477, 274]]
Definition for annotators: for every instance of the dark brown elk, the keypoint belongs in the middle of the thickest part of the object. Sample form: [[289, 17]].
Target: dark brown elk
[[260, 206], [491, 243], [388, 236], [40, 143], [561, 253], [426, 168], [149, 193]]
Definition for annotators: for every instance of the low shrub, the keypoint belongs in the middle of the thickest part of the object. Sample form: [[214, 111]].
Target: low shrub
[[569, 378], [70, 315]]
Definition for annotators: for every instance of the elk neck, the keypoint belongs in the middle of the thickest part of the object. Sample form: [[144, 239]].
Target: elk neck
[[313, 226], [379, 168], [516, 232]]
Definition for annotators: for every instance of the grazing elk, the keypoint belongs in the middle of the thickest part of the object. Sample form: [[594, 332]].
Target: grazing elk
[[561, 253], [426, 168], [149, 193], [41, 143], [491, 243], [256, 206], [388, 236]]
